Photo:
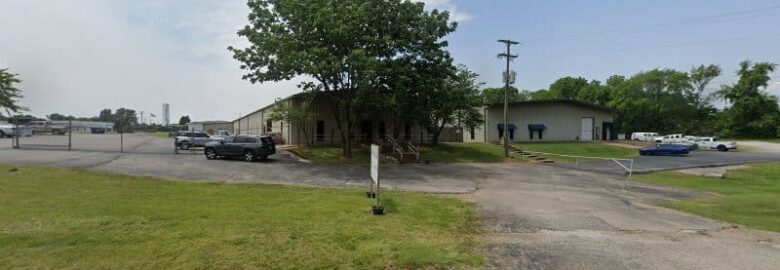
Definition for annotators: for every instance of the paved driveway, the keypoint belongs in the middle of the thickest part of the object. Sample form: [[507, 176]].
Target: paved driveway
[[542, 217], [700, 158]]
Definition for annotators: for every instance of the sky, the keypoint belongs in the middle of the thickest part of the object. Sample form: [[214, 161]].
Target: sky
[[77, 57]]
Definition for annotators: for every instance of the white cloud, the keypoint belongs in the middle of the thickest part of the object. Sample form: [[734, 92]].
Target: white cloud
[[455, 13], [79, 56]]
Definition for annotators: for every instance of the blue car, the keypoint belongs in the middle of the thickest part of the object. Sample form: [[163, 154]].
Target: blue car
[[664, 150]]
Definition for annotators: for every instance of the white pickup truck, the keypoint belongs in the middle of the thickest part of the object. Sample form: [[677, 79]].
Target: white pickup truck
[[713, 143], [678, 139], [6, 130]]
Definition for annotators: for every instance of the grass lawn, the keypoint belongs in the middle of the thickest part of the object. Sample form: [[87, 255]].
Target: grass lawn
[[74, 219], [158, 134], [332, 155], [747, 196], [442, 153], [589, 149], [463, 152]]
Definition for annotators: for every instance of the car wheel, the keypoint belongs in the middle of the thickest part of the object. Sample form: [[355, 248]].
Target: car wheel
[[211, 154], [723, 148], [249, 156], [185, 146], [2, 134]]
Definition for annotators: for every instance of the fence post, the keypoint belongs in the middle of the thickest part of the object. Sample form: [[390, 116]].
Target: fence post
[[70, 133], [121, 142], [16, 135]]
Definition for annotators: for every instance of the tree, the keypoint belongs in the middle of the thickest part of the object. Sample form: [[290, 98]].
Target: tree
[[125, 120], [348, 47], [567, 88], [652, 101], [185, 119], [753, 112], [495, 95], [106, 116], [454, 101], [60, 117], [299, 114], [9, 94], [700, 78]]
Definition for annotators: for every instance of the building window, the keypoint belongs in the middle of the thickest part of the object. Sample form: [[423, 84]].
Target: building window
[[269, 126], [320, 131], [473, 136]]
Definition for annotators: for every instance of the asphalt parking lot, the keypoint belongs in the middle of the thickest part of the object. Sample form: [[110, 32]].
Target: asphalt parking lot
[[699, 158]]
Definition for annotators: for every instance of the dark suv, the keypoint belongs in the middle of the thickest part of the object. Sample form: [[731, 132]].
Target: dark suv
[[248, 147]]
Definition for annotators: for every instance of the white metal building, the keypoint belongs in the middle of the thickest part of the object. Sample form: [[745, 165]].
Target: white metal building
[[545, 120]]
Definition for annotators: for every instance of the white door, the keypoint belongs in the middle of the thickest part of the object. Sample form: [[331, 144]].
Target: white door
[[587, 129]]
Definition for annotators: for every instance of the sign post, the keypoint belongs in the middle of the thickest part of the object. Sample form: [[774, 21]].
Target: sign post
[[377, 209]]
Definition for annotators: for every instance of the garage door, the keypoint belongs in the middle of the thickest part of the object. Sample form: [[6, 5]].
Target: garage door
[[587, 129]]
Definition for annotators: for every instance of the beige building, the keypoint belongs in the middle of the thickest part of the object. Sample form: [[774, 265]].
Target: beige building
[[546, 120], [324, 130], [549, 120], [210, 127]]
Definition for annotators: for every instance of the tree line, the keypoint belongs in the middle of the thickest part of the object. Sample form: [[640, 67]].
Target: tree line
[[672, 101]]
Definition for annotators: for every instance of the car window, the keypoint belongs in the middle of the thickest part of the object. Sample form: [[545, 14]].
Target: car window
[[203, 135], [250, 140], [188, 134], [238, 140], [229, 139]]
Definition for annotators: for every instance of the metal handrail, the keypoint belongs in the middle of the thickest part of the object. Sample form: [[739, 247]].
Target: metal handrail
[[629, 169], [414, 149]]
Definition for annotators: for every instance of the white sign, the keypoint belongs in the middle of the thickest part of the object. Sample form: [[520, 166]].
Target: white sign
[[375, 163]]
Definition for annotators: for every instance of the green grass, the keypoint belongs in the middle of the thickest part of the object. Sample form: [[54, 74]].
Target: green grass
[[75, 219], [747, 196], [463, 152], [158, 134], [333, 155], [577, 149]]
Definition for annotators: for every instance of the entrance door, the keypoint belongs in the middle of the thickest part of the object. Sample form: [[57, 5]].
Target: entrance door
[[586, 133], [367, 132]]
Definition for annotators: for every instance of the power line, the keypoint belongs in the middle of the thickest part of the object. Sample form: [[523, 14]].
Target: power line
[[717, 18]]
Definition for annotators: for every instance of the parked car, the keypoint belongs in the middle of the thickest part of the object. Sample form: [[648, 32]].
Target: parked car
[[713, 143], [44, 127], [664, 149], [97, 130], [187, 140], [6, 130], [679, 139], [644, 136], [250, 148], [220, 135]]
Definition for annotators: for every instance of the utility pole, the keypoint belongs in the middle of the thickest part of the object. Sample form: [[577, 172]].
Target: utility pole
[[142, 117], [507, 80]]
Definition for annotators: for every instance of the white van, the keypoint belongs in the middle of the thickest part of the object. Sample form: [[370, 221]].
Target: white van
[[644, 136]]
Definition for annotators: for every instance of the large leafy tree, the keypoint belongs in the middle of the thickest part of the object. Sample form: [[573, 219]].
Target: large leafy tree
[[567, 87], [184, 119], [753, 112], [347, 47], [452, 101], [706, 114], [9, 94], [125, 120], [652, 101]]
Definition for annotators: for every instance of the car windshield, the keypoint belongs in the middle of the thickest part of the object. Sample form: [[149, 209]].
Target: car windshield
[[229, 139]]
